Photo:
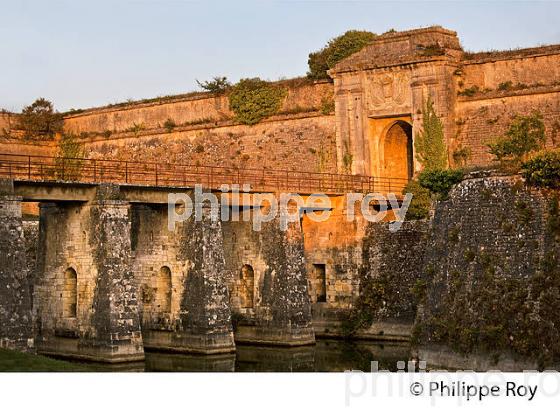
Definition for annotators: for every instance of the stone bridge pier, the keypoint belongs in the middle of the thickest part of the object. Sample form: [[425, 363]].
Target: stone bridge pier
[[86, 298], [268, 283], [16, 329], [182, 277]]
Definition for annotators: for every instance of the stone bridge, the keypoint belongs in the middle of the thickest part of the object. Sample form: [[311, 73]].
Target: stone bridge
[[110, 279]]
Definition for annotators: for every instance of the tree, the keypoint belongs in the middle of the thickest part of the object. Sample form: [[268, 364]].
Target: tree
[[524, 135], [218, 85], [429, 144], [40, 118], [336, 50], [421, 203]]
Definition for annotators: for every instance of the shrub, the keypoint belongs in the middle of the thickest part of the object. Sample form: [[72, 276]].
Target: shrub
[[429, 143], [136, 128], [68, 158], [421, 200], [253, 99], [543, 169], [440, 181], [217, 85], [327, 105], [336, 50], [469, 92], [169, 124], [461, 156], [432, 50], [507, 85], [525, 135], [40, 118]]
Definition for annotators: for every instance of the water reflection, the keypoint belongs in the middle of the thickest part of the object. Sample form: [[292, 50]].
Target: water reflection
[[325, 356]]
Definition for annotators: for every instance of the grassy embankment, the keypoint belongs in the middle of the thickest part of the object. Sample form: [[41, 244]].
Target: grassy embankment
[[11, 361]]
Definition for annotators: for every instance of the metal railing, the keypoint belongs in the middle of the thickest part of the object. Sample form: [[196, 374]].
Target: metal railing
[[56, 169]]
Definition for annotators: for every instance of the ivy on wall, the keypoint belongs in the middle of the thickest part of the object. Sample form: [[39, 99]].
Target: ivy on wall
[[68, 159], [253, 99]]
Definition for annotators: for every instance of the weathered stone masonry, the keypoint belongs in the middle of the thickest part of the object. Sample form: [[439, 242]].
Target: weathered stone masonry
[[15, 292], [280, 313], [111, 279], [493, 278], [91, 240], [197, 316]]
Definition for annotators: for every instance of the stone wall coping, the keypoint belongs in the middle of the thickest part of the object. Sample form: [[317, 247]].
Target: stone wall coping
[[390, 37], [484, 57], [171, 99], [496, 94]]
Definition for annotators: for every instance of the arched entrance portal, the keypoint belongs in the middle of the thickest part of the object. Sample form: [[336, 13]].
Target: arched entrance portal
[[398, 159]]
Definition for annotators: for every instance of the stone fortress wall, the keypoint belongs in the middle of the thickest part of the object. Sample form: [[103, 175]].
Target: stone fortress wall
[[300, 137], [509, 83]]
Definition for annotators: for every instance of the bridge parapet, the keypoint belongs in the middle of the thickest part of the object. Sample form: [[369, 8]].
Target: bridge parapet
[[154, 174]]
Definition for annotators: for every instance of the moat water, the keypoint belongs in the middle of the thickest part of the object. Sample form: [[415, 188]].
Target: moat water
[[324, 356]]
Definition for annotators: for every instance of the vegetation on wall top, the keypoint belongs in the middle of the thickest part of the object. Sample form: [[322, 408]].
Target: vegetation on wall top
[[217, 85], [336, 50], [253, 99], [440, 181], [543, 169]]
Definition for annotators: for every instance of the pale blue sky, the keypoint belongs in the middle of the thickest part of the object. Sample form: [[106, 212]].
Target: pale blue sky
[[88, 53]]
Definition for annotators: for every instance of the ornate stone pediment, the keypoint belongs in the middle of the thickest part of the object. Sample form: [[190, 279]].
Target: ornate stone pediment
[[388, 91]]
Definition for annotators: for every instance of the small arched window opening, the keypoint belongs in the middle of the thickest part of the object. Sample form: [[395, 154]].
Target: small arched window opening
[[318, 283], [163, 293], [247, 286], [70, 293]]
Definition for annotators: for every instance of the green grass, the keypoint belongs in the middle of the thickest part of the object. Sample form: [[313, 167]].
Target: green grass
[[11, 361]]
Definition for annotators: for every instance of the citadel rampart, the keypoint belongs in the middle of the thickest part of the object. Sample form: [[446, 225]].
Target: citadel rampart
[[300, 137]]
